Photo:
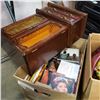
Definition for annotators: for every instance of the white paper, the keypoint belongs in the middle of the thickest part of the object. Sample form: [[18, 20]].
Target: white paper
[[70, 70]]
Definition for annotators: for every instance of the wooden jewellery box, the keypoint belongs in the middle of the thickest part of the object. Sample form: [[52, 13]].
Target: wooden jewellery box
[[18, 28], [73, 19], [40, 44]]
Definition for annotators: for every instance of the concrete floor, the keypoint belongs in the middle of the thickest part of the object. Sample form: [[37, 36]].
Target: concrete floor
[[9, 87]]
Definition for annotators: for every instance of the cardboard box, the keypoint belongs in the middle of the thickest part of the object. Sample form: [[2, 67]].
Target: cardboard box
[[46, 93], [91, 87]]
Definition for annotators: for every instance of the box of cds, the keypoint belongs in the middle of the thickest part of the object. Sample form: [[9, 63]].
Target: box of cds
[[58, 79]]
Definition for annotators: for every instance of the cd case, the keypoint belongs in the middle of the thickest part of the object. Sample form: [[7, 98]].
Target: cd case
[[60, 83]]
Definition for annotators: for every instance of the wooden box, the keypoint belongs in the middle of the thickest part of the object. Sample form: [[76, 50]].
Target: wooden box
[[45, 92], [73, 19], [41, 44]]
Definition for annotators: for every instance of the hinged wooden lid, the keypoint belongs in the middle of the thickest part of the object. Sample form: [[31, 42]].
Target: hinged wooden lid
[[18, 28], [63, 14]]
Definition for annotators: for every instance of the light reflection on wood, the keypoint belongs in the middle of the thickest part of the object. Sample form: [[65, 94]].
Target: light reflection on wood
[[14, 29]]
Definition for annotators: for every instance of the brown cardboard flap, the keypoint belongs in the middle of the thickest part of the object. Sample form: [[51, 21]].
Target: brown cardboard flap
[[95, 36], [95, 41], [95, 90], [20, 73], [80, 44], [87, 70], [92, 91]]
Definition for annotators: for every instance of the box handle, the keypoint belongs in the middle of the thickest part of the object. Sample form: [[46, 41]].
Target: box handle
[[34, 50], [42, 93], [63, 32]]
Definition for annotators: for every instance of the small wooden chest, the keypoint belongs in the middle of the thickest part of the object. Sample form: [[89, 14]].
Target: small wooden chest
[[40, 44], [73, 19]]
